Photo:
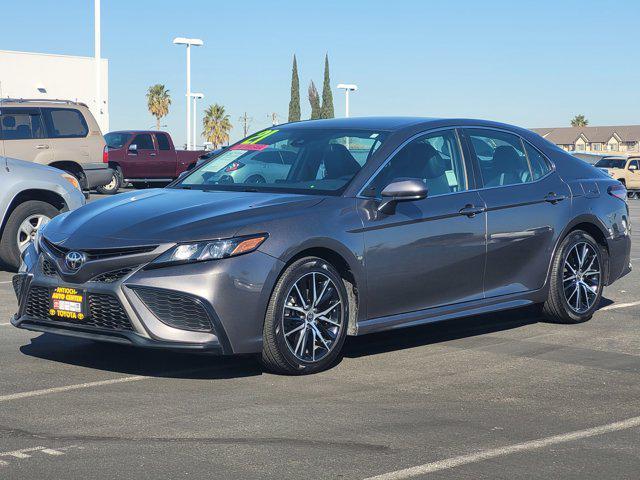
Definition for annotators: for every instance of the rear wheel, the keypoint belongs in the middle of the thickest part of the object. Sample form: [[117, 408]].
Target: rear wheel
[[307, 319], [21, 228], [576, 279], [114, 185]]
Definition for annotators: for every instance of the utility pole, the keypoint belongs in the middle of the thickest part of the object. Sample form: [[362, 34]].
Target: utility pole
[[246, 121]]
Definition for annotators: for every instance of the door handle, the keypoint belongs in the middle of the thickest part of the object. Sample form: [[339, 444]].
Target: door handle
[[471, 210], [554, 198], [42, 147]]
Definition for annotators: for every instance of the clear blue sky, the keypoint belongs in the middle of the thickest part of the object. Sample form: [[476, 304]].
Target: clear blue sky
[[532, 63]]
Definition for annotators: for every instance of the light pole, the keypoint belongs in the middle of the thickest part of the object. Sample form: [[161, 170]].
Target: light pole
[[97, 70], [195, 97], [347, 88], [196, 42]]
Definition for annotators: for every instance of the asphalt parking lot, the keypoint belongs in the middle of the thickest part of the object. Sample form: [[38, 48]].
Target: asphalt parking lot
[[503, 396]]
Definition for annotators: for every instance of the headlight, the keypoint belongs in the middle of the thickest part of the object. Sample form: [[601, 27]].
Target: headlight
[[210, 250], [72, 180]]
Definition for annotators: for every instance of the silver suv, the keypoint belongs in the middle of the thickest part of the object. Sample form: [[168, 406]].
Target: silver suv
[[58, 133], [31, 195]]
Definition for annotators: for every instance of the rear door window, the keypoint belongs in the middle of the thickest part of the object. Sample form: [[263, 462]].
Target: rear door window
[[20, 124], [539, 165], [143, 142], [501, 157], [163, 142], [65, 123]]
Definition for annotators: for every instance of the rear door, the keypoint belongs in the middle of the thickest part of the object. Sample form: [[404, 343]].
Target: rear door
[[22, 132], [527, 207], [633, 174], [68, 134], [141, 156], [165, 157]]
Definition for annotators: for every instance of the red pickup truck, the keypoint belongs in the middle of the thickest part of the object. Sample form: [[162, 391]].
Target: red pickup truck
[[143, 157]]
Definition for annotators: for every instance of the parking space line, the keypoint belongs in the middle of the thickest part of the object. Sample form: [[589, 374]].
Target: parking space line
[[615, 306], [67, 388], [5, 282], [4, 324], [482, 455]]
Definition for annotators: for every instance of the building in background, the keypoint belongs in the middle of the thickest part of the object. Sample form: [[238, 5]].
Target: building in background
[[48, 76], [617, 139]]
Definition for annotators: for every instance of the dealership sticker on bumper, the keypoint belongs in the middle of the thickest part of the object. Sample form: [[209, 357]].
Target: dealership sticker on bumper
[[67, 303]]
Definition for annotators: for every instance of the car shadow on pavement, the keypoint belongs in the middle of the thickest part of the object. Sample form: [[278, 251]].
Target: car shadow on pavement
[[439, 332], [127, 360]]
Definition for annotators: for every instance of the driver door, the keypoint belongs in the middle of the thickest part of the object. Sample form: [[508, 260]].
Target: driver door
[[429, 252]]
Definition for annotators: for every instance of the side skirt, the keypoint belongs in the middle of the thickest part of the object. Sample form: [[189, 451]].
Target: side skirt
[[448, 312]]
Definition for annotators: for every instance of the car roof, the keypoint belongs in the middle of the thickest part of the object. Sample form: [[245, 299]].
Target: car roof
[[135, 131], [40, 102]]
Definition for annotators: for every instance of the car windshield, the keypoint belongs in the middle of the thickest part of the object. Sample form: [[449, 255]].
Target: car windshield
[[611, 163], [296, 160], [116, 139]]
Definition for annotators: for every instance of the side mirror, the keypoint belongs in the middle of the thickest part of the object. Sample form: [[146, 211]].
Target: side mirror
[[633, 167], [404, 190], [133, 149]]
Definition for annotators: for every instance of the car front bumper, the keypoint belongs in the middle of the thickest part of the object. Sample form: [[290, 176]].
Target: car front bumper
[[216, 307], [97, 174]]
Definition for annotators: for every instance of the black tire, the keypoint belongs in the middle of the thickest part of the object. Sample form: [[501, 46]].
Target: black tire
[[276, 354], [557, 309], [9, 250], [115, 184], [255, 179]]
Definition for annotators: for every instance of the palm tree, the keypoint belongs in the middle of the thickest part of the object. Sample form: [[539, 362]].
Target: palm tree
[[216, 125], [158, 101], [579, 121]]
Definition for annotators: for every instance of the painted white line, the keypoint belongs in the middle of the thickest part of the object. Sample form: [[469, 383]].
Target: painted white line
[[4, 324], [615, 306], [28, 453], [68, 388], [482, 455], [2, 283]]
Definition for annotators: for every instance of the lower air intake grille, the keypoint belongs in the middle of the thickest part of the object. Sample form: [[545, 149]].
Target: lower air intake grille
[[175, 309], [105, 311], [48, 268]]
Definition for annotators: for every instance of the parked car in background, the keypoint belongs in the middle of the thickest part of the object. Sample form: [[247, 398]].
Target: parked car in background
[[30, 196], [592, 157], [58, 133], [430, 224], [205, 157], [255, 167], [144, 157], [625, 170]]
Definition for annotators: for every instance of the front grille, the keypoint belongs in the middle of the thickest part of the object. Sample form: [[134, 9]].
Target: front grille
[[47, 267], [105, 311], [113, 276], [100, 253], [175, 309], [18, 282]]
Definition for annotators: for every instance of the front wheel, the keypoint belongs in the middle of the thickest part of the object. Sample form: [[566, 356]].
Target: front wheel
[[21, 228], [577, 279], [307, 319]]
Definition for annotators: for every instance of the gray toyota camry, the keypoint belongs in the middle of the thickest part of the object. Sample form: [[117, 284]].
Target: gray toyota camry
[[376, 223]]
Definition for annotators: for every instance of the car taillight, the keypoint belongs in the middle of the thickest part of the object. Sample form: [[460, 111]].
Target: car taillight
[[618, 191], [232, 167], [105, 154]]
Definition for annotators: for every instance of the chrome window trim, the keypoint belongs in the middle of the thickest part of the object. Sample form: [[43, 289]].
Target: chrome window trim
[[456, 128]]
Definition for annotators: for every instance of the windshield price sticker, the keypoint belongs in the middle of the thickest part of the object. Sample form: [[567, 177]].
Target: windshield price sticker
[[249, 146]]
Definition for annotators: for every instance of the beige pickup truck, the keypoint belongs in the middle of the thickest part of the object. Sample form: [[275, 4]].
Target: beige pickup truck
[[59, 133], [626, 170]]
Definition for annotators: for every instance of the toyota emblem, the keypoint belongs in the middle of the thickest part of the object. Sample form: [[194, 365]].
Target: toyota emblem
[[74, 260]]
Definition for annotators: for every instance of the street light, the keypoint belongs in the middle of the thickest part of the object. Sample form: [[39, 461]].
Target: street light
[[196, 42], [347, 88], [195, 97]]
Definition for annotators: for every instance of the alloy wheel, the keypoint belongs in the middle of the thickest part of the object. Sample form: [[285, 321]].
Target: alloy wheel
[[312, 317], [581, 277], [29, 228]]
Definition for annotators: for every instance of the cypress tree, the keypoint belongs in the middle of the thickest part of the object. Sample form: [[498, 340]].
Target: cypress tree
[[327, 96], [294, 103], [314, 101]]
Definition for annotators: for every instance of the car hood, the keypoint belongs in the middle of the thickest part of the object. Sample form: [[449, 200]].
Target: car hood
[[161, 216]]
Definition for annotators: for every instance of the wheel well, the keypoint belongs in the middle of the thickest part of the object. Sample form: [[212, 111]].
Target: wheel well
[[115, 166], [622, 181], [47, 196], [343, 268]]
